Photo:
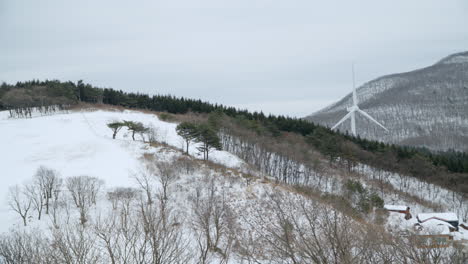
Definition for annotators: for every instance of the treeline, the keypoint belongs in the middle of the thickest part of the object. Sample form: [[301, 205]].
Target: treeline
[[328, 142]]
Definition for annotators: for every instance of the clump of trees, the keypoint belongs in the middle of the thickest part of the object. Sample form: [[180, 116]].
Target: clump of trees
[[206, 134], [23, 102], [136, 128], [44, 194], [36, 195], [84, 191], [363, 200], [132, 126]]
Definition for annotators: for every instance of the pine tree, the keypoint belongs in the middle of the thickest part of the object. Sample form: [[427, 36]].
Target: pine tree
[[115, 126], [209, 139], [135, 127], [188, 131]]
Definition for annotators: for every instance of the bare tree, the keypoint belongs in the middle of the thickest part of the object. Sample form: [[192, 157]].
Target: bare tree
[[48, 181], [167, 175], [145, 180], [37, 198], [19, 202], [83, 190], [122, 198], [212, 223], [75, 244], [163, 232]]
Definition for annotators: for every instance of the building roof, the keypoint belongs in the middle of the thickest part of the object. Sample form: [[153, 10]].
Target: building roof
[[435, 226], [448, 217], [395, 207]]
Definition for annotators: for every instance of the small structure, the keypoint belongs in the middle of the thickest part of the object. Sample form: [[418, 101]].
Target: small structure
[[402, 209], [450, 218], [434, 233]]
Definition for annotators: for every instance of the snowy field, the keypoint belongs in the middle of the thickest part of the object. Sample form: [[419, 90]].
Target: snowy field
[[79, 143]]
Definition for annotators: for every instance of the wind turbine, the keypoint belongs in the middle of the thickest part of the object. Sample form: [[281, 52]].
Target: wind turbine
[[352, 113]]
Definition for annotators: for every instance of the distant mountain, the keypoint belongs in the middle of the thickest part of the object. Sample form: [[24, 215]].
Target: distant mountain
[[426, 107]]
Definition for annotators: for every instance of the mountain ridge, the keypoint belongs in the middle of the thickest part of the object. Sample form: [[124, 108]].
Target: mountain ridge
[[418, 106]]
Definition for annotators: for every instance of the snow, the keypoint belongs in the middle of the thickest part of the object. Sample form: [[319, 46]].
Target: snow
[[80, 143], [434, 226], [441, 216], [395, 207]]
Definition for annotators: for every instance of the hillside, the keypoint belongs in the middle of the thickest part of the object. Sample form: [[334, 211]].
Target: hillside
[[243, 194], [426, 107], [80, 143]]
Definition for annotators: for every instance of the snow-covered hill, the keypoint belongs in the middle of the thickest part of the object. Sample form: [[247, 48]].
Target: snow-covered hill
[[80, 143], [426, 107]]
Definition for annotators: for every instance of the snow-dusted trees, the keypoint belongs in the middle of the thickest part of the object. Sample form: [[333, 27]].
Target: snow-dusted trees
[[19, 201], [84, 191]]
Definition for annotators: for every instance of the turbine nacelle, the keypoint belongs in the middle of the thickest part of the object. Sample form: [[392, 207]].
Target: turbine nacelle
[[352, 110]]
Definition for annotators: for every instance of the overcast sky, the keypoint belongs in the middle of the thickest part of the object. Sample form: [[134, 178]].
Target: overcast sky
[[288, 57]]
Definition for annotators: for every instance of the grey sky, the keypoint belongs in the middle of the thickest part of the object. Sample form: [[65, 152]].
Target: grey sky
[[286, 57]]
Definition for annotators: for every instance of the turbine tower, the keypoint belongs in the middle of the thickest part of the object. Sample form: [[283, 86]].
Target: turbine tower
[[352, 113]]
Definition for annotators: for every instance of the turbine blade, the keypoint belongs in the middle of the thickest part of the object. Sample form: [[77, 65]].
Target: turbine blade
[[342, 120], [355, 100], [372, 119]]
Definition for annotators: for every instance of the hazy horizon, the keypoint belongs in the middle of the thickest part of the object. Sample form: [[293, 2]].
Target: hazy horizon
[[289, 58]]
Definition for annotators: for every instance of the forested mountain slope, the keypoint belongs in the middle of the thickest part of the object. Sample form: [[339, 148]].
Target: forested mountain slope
[[426, 107]]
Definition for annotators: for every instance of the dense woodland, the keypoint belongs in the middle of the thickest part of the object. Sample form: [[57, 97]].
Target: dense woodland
[[449, 169]]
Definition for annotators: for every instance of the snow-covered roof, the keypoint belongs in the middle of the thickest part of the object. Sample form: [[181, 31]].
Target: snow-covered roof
[[436, 222], [440, 216], [434, 226], [395, 207]]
